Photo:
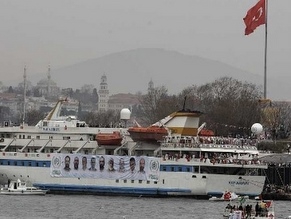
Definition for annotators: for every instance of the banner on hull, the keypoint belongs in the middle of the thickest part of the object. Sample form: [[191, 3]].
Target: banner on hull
[[105, 167]]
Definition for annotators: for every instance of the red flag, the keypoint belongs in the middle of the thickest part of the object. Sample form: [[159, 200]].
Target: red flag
[[255, 17]]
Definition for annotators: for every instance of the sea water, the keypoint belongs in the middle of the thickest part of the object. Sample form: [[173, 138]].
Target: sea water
[[116, 207]]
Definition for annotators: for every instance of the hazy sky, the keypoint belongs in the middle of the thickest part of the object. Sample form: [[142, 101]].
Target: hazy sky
[[65, 32]]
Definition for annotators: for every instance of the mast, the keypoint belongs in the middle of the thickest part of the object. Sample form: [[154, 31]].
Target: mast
[[49, 81], [24, 95], [265, 58]]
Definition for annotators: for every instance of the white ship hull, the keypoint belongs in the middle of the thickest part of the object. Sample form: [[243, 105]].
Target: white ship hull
[[169, 183]]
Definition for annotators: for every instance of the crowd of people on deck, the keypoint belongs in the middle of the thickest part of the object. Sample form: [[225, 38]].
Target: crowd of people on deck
[[196, 141], [214, 158]]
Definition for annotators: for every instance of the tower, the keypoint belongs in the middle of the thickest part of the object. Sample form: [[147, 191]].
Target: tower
[[103, 93], [150, 86]]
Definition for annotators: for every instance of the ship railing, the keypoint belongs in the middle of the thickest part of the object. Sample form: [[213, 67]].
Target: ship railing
[[39, 150], [229, 146], [226, 140], [4, 149], [22, 149], [231, 161], [210, 146], [179, 145]]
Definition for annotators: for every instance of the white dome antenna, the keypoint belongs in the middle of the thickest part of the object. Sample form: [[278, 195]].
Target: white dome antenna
[[125, 115]]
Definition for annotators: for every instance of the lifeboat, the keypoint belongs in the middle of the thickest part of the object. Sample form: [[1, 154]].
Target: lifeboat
[[113, 138], [206, 132], [151, 133]]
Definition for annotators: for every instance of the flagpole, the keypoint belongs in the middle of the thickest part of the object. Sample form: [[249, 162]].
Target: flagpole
[[266, 40]]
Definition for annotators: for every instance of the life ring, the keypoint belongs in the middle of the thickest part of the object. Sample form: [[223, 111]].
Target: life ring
[[2, 140]]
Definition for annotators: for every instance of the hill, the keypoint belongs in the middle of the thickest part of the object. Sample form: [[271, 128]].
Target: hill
[[130, 71]]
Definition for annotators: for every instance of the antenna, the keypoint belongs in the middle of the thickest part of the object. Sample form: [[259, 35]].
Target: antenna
[[184, 103], [24, 95]]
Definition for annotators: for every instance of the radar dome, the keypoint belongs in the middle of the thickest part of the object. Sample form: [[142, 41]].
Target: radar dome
[[257, 128], [125, 114]]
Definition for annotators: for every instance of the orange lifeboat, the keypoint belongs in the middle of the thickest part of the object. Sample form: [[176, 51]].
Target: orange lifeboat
[[151, 133], [113, 138], [206, 132]]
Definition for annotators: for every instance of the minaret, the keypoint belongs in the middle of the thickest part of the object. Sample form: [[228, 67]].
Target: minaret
[[24, 95], [150, 86], [103, 95]]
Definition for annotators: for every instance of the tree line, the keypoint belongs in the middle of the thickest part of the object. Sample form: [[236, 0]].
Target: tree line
[[229, 106]]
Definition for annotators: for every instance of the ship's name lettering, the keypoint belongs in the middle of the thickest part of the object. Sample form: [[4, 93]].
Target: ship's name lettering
[[238, 183], [51, 129]]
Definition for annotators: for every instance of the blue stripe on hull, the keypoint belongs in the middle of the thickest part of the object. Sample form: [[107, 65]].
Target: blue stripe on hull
[[57, 188]]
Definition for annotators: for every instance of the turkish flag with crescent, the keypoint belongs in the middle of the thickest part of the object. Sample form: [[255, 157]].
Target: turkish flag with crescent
[[255, 17]]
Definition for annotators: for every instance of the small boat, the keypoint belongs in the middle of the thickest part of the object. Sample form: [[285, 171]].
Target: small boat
[[226, 196], [151, 133], [20, 188], [253, 209], [113, 138]]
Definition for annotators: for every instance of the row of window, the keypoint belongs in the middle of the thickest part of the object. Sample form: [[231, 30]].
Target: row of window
[[132, 181], [28, 163], [34, 163]]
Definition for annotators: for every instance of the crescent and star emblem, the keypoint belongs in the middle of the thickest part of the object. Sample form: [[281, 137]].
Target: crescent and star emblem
[[258, 14]]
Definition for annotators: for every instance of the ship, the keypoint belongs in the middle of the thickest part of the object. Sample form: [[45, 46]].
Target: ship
[[61, 154]]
